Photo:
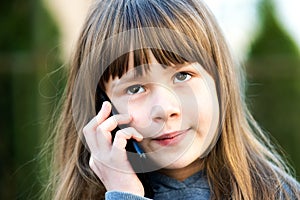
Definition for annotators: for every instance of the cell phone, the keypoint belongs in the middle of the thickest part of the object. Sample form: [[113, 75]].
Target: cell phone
[[132, 145]]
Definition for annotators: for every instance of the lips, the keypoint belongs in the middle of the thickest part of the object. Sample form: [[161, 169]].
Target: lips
[[171, 138]]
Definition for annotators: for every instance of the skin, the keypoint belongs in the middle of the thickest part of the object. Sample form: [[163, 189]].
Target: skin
[[172, 112]]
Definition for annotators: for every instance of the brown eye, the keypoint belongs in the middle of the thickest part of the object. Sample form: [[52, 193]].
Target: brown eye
[[181, 77], [135, 89]]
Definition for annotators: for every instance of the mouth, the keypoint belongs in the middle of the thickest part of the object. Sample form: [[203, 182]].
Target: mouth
[[171, 138]]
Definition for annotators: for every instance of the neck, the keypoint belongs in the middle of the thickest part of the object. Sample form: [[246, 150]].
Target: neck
[[185, 172]]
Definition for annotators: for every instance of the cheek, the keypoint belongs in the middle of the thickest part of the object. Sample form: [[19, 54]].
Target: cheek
[[141, 120], [206, 109], [140, 116]]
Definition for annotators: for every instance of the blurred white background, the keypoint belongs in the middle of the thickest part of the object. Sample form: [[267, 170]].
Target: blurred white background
[[239, 20]]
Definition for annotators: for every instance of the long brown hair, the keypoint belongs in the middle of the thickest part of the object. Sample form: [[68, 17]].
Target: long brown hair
[[242, 165]]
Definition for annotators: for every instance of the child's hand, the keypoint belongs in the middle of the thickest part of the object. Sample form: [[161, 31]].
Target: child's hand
[[108, 159]]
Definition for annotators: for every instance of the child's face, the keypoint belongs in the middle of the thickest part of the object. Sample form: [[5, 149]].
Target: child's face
[[174, 108]]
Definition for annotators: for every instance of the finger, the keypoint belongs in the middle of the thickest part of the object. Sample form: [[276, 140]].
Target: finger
[[104, 112], [112, 122], [133, 133], [118, 151], [91, 141], [99, 118], [122, 136], [89, 131], [104, 137]]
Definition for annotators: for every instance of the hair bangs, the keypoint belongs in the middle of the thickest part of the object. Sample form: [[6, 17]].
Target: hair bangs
[[156, 31], [141, 61]]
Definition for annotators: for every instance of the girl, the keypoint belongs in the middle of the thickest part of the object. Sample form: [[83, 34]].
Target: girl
[[176, 97]]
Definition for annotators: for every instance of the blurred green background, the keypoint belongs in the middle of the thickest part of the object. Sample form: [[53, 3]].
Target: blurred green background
[[30, 52]]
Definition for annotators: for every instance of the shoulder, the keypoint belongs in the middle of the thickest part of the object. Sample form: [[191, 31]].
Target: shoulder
[[289, 187], [288, 190]]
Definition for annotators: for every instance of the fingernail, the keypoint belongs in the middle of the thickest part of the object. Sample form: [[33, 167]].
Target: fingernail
[[105, 105], [139, 136]]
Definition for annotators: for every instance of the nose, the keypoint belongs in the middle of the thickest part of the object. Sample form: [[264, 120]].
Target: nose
[[166, 106]]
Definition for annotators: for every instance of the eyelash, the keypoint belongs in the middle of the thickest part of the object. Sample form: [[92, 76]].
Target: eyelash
[[138, 87], [134, 87], [183, 73]]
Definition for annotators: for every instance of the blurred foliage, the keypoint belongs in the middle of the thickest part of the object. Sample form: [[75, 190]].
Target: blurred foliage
[[27, 50], [273, 71]]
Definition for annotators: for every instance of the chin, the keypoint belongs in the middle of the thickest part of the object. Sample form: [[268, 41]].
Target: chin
[[180, 163]]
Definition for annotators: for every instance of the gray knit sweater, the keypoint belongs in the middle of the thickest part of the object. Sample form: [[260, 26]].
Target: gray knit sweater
[[164, 187], [194, 187]]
